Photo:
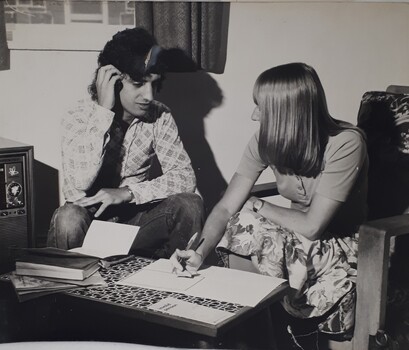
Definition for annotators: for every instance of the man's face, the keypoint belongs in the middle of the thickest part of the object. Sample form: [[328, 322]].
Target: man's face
[[136, 96]]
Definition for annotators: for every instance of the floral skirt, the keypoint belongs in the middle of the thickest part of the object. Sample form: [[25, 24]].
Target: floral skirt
[[322, 272]]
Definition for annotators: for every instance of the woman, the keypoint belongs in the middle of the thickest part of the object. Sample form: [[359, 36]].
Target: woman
[[320, 165]]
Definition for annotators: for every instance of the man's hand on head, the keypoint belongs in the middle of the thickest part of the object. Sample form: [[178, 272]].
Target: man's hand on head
[[107, 77], [107, 197]]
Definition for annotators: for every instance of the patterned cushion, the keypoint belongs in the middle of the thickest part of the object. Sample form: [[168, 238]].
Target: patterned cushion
[[400, 106], [386, 116]]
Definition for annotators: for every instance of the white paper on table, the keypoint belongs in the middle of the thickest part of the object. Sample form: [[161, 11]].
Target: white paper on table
[[234, 286], [185, 309], [158, 275], [105, 238], [218, 283]]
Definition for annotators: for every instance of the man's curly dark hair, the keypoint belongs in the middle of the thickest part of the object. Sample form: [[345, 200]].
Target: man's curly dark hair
[[127, 51]]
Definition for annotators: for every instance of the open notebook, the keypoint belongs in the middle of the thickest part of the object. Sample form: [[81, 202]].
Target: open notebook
[[218, 283], [104, 239]]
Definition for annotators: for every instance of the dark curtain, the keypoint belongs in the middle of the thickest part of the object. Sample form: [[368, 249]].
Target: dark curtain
[[199, 29], [4, 51]]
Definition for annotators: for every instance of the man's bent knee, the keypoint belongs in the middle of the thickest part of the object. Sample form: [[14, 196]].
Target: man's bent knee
[[71, 215], [68, 226], [188, 203]]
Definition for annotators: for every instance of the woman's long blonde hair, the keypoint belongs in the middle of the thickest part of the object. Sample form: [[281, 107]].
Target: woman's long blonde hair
[[294, 120]]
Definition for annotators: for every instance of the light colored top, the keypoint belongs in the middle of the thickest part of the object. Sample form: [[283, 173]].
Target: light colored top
[[343, 178], [86, 149]]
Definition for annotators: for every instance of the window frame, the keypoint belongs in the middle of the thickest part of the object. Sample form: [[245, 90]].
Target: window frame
[[70, 36]]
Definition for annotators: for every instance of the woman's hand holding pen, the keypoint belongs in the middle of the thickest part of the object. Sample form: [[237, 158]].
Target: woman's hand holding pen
[[191, 259], [187, 260]]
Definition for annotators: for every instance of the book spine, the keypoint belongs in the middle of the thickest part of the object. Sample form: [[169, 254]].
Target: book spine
[[74, 275]]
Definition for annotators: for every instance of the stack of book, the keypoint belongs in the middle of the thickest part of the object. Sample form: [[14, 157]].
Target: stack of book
[[55, 263], [48, 270], [41, 271], [28, 287]]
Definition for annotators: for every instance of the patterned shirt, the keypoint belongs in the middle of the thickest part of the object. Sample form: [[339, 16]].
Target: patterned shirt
[[98, 152]]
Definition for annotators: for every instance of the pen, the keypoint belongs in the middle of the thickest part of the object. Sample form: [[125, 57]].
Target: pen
[[182, 261], [189, 245], [200, 243]]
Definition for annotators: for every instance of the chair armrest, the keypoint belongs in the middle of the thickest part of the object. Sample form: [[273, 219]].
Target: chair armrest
[[264, 190], [373, 264], [387, 227]]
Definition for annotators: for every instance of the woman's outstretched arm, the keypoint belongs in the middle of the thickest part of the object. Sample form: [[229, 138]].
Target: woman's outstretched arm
[[236, 194]]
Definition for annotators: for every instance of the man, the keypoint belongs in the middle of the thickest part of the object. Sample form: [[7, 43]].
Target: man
[[108, 145]]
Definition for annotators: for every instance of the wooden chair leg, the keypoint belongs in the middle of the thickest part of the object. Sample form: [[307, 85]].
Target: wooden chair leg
[[373, 258]]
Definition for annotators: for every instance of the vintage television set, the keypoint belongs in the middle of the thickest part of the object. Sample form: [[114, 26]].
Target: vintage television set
[[16, 199]]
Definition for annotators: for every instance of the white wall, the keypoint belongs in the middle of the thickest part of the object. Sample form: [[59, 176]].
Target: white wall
[[354, 47]]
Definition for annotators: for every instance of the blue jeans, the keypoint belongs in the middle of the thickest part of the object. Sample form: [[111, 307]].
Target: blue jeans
[[164, 226]]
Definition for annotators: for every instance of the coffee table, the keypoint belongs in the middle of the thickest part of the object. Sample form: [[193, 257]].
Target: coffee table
[[131, 303]]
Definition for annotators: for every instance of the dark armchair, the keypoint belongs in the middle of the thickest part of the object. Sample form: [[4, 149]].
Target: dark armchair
[[384, 116]]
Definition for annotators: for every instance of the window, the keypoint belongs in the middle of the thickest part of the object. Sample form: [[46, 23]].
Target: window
[[65, 24]]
